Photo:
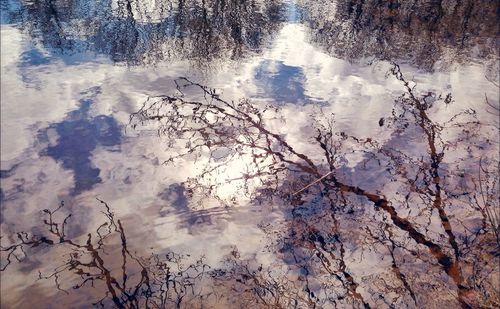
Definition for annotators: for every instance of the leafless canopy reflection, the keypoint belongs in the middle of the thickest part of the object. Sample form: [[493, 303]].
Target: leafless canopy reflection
[[420, 32], [104, 261], [414, 223], [425, 220], [145, 33]]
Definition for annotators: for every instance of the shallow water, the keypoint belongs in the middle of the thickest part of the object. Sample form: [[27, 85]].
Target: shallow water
[[324, 154]]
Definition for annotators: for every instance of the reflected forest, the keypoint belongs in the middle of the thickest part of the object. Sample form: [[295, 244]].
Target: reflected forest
[[207, 160]]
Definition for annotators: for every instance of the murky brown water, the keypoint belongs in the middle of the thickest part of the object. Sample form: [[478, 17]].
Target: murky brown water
[[249, 154]]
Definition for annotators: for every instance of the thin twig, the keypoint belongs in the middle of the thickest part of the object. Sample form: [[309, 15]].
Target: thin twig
[[313, 183]]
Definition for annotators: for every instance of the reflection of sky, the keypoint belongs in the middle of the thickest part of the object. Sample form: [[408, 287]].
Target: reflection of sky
[[77, 137], [280, 82], [65, 138], [33, 57], [7, 7], [293, 12]]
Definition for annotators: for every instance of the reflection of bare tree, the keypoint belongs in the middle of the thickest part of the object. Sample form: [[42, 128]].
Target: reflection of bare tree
[[127, 280], [421, 32], [255, 286], [104, 263], [425, 220], [419, 229], [136, 33], [230, 131]]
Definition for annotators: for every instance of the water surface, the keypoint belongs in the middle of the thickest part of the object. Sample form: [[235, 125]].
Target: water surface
[[240, 154]]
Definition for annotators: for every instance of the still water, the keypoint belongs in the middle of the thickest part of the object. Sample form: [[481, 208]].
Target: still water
[[249, 154]]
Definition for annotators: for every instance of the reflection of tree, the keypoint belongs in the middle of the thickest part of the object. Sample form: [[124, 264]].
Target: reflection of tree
[[128, 280], [419, 229], [421, 32], [132, 32], [434, 215], [104, 262]]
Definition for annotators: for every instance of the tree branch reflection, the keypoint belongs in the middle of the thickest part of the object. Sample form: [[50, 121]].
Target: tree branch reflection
[[426, 177], [412, 223]]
